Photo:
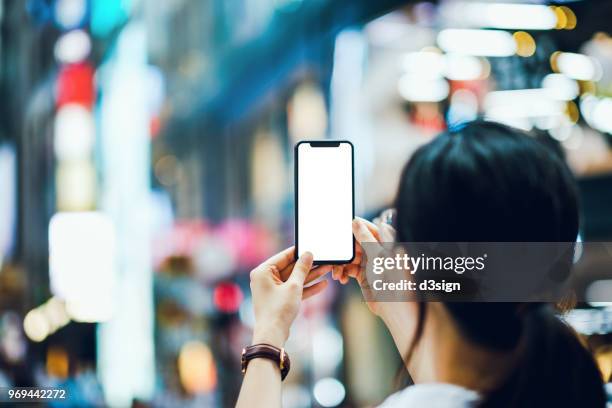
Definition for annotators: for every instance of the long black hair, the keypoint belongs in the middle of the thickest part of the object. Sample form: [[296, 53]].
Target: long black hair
[[487, 182]]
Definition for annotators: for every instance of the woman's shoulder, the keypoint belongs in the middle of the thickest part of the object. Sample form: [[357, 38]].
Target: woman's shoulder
[[434, 395]]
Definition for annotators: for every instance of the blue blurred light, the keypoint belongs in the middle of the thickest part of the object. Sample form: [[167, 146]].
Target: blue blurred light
[[108, 14], [39, 10]]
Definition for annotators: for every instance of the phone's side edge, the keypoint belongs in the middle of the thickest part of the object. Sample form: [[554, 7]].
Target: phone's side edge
[[352, 190], [295, 197]]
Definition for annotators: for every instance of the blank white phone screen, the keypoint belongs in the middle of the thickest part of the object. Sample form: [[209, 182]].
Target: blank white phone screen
[[325, 201]]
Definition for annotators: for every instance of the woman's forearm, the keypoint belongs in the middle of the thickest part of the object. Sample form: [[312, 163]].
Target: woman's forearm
[[261, 386], [277, 286]]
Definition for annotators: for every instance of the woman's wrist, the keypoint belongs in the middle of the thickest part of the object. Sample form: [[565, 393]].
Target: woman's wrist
[[271, 335]]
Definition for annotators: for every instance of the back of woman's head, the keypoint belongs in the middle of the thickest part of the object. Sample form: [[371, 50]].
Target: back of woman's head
[[487, 182]]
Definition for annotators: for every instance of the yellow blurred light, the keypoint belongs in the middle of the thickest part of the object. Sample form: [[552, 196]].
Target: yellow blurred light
[[553, 61], [587, 87], [196, 367], [525, 44], [603, 356], [601, 36], [268, 175], [76, 185], [306, 113], [572, 111], [45, 319], [57, 362], [36, 326], [570, 18], [561, 17]]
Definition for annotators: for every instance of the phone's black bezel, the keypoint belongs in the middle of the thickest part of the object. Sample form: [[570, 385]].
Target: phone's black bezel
[[323, 144]]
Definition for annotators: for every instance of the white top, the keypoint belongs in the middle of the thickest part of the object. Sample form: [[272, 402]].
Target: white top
[[433, 395]]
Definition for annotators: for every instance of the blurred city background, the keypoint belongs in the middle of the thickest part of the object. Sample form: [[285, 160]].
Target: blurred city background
[[146, 165]]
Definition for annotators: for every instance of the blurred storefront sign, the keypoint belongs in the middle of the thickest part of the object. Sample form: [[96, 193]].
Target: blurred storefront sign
[[125, 342], [8, 192], [83, 264]]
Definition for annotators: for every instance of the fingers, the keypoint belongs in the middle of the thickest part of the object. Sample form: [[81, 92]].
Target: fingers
[[351, 271], [358, 257], [314, 273], [344, 279], [361, 231], [314, 289], [356, 272], [372, 227], [286, 271], [302, 266], [336, 272], [382, 231], [317, 273], [386, 232], [341, 273]]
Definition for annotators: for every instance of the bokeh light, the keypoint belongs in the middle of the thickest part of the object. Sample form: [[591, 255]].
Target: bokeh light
[[525, 44], [196, 368], [227, 297], [329, 392]]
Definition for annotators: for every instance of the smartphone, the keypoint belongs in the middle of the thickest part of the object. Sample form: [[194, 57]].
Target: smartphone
[[324, 200]]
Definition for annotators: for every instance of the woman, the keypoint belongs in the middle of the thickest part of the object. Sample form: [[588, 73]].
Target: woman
[[484, 183]]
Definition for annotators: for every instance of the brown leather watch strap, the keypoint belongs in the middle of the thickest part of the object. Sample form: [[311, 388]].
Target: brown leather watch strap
[[268, 351]]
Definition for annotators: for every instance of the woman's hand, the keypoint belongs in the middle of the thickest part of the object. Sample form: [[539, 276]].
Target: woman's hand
[[364, 231], [394, 314], [277, 286]]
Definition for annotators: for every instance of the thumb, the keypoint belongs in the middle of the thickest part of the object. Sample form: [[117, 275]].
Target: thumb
[[301, 268]]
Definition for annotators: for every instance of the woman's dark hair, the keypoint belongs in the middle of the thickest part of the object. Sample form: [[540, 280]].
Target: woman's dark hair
[[487, 182]]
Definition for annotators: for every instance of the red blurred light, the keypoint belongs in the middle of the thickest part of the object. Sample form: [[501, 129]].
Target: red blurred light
[[75, 85], [227, 297], [154, 126]]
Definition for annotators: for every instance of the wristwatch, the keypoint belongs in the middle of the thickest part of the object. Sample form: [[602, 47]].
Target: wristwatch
[[262, 350]]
